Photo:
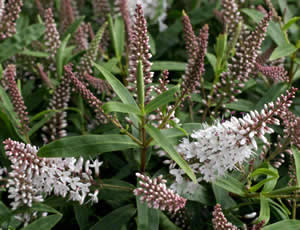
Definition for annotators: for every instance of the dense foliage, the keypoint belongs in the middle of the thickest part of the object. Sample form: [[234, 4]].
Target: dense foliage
[[154, 114]]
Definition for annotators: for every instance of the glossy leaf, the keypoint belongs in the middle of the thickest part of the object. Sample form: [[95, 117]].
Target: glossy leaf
[[45, 223], [290, 23], [241, 105], [285, 224], [60, 56], [162, 99], [283, 51], [117, 86], [32, 53], [87, 145], [296, 154], [166, 224], [114, 106], [116, 219], [270, 95], [11, 46], [264, 213], [147, 218], [140, 85], [168, 147], [169, 65], [231, 184]]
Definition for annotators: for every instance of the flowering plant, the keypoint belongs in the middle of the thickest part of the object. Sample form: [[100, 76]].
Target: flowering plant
[[111, 121]]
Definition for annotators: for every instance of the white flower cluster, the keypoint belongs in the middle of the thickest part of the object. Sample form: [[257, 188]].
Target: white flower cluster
[[32, 178], [155, 10], [213, 151]]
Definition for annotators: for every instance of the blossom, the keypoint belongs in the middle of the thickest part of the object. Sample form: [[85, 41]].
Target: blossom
[[157, 195], [216, 149], [32, 178]]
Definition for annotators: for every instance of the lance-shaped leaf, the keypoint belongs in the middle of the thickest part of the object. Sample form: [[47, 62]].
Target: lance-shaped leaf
[[296, 154], [162, 99], [168, 147], [60, 56], [45, 223], [285, 224], [73, 27], [231, 184], [87, 145], [114, 106], [117, 86], [264, 213], [169, 65]]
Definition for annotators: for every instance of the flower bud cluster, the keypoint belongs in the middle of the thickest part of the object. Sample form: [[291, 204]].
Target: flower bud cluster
[[100, 85], [157, 195], [52, 38], [219, 220], [55, 127], [196, 50], [101, 10], [32, 178], [243, 64], [8, 17], [276, 73], [93, 101], [16, 98], [140, 50], [86, 61], [68, 14], [123, 5], [291, 124]]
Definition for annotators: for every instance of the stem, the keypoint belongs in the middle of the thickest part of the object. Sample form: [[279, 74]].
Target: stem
[[144, 147]]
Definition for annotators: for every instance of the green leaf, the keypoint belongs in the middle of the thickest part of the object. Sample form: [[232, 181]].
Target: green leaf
[[7, 107], [152, 44], [87, 145], [116, 219], [222, 197], [114, 106], [221, 47], [274, 30], [60, 56], [32, 53], [268, 183], [140, 85], [119, 28], [274, 92], [162, 99], [296, 154], [20, 40], [147, 218], [166, 224], [40, 123], [40, 207], [212, 60], [113, 189], [168, 147], [264, 213], [116, 40], [241, 105], [44, 223], [117, 86], [231, 184], [73, 27], [285, 224], [82, 214], [282, 191], [290, 23], [169, 65], [282, 51]]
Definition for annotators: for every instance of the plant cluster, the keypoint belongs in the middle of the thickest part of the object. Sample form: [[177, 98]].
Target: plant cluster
[[149, 90]]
